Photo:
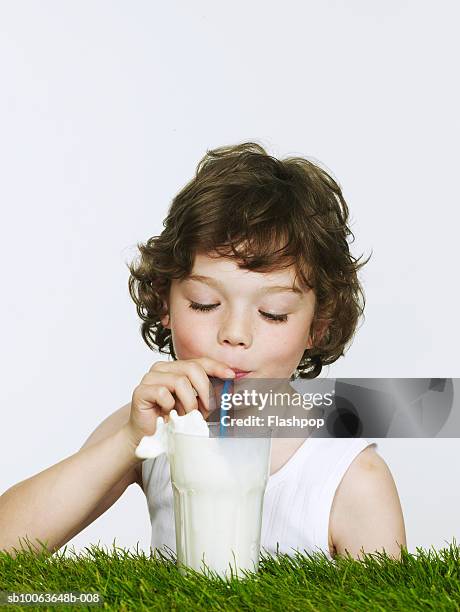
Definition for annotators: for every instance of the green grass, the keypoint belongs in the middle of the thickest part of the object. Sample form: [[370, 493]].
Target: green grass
[[132, 580]]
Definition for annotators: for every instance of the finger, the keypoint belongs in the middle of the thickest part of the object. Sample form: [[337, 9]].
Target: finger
[[153, 397], [214, 368], [179, 385], [169, 380], [211, 366], [198, 370]]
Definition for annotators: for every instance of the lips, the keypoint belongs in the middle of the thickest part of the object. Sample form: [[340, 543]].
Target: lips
[[240, 373]]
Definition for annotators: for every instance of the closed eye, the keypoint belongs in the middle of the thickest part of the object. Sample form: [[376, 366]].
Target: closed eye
[[276, 318]]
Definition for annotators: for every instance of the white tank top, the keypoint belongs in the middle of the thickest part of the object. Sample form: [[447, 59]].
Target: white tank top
[[297, 501]]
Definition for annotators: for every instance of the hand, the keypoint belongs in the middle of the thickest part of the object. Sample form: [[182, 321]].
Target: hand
[[169, 385]]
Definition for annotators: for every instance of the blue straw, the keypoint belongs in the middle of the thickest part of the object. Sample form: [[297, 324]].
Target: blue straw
[[226, 388]]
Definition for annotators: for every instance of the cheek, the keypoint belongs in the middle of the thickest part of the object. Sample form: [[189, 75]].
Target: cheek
[[285, 341], [190, 336]]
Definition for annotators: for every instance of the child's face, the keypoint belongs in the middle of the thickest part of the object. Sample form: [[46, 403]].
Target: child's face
[[234, 331]]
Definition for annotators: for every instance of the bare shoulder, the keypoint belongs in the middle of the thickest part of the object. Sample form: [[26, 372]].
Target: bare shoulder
[[363, 460], [366, 511], [110, 425]]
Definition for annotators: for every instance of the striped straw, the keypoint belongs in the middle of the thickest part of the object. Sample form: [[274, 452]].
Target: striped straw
[[226, 389]]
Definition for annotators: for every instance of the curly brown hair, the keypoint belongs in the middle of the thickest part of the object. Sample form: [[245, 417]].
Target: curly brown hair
[[268, 214]]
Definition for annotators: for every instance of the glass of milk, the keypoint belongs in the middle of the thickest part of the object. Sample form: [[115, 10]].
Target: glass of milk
[[218, 489]]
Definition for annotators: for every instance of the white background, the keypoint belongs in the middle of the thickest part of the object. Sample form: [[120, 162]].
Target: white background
[[106, 108]]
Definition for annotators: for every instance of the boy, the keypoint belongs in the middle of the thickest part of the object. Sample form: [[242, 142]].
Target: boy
[[251, 273]]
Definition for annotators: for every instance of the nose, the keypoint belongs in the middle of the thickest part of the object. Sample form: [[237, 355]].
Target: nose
[[235, 330]]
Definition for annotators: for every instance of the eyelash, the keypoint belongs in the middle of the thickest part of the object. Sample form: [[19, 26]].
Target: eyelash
[[271, 317]]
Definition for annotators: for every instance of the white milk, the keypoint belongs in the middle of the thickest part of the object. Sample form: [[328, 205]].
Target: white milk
[[218, 488]]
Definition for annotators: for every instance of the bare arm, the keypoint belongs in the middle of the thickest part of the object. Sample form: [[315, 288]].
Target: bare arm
[[367, 513], [56, 504]]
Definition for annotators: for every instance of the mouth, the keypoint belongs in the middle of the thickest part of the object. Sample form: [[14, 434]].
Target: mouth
[[239, 373]]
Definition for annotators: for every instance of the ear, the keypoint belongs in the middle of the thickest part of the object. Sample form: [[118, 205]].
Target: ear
[[165, 319], [320, 329]]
